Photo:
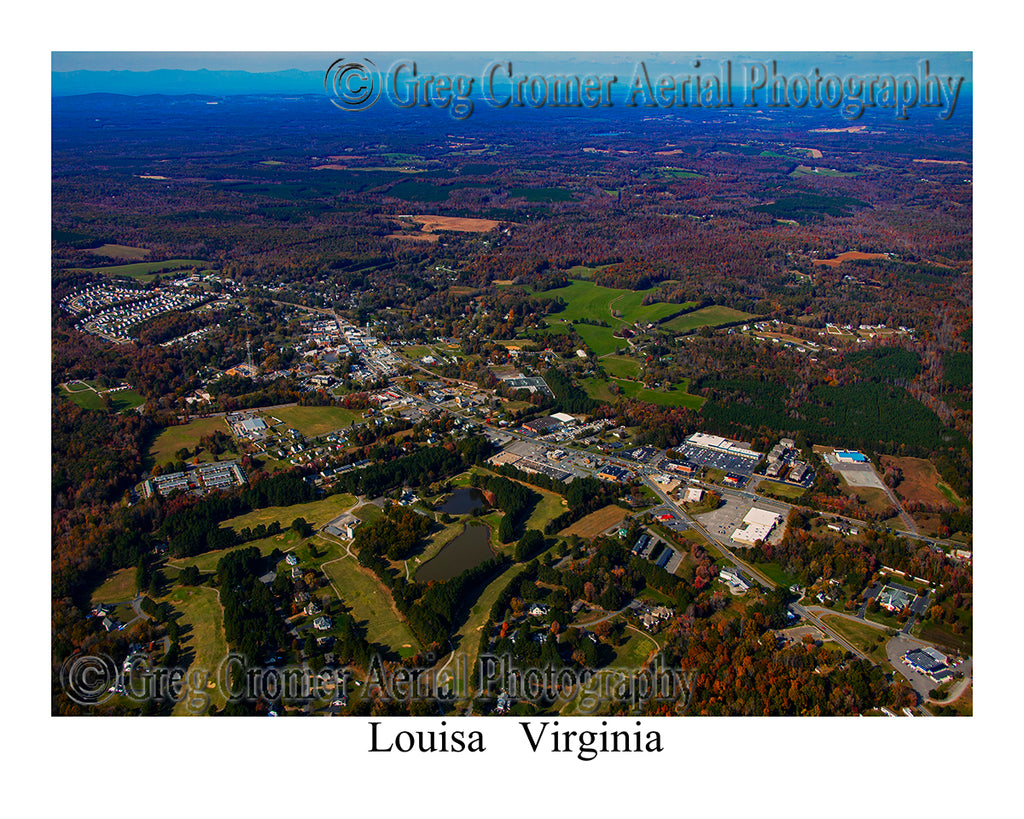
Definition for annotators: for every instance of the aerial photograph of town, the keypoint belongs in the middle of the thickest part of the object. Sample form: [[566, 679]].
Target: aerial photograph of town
[[520, 406], [524, 397], [535, 385]]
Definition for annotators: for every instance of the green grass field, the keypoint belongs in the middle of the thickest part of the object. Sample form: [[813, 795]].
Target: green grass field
[[776, 573], [119, 586], [633, 652], [712, 316], [187, 436], [147, 271], [679, 173], [621, 366], [549, 507], [599, 388], [368, 512], [314, 421], [599, 339], [372, 606], [120, 252], [583, 271], [90, 400], [202, 627], [586, 300], [869, 640], [316, 513], [782, 490]]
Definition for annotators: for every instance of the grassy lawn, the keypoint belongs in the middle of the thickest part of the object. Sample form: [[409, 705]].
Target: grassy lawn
[[951, 496], [372, 606], [677, 396], [586, 300], [787, 491], [314, 421], [119, 401], [207, 562], [549, 507], [316, 513], [621, 366], [147, 271], [712, 316], [776, 573], [869, 640], [599, 339], [633, 652], [119, 586], [187, 436], [368, 512], [883, 618], [202, 640]]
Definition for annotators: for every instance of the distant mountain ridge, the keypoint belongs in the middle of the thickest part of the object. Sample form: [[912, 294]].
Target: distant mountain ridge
[[181, 82]]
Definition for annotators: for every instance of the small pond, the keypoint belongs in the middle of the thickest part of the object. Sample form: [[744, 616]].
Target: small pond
[[469, 549], [463, 501]]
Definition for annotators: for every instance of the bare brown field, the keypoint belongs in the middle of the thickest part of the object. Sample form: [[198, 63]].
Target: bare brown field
[[847, 256], [414, 237], [669, 153], [120, 252], [874, 500], [814, 153], [943, 161], [459, 223], [330, 167], [596, 522], [920, 480]]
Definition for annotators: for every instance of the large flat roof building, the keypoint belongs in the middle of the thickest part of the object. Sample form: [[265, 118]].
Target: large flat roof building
[[720, 444], [758, 524]]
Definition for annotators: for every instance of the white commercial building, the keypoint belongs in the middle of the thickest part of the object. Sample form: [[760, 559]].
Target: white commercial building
[[757, 525], [720, 444]]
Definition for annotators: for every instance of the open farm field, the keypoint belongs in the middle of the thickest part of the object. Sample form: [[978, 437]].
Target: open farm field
[[593, 524], [147, 271], [712, 316], [431, 223], [850, 255], [314, 421], [120, 252]]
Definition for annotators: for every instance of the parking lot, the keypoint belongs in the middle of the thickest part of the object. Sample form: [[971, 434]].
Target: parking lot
[[718, 460], [675, 524], [728, 517]]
